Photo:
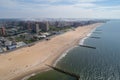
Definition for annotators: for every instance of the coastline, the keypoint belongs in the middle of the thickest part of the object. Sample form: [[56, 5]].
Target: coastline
[[64, 53], [51, 58]]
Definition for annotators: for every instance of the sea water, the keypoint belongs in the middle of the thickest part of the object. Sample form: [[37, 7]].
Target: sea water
[[102, 63]]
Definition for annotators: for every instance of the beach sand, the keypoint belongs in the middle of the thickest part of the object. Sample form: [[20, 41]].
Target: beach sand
[[22, 62]]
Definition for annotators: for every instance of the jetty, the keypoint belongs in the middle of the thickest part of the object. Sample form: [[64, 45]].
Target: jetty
[[88, 46], [65, 72], [95, 37], [97, 32]]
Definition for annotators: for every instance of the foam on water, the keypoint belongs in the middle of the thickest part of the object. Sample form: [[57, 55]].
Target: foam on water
[[88, 35], [82, 41], [63, 55]]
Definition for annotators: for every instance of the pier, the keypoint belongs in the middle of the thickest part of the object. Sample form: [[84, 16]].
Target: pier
[[88, 46], [65, 72]]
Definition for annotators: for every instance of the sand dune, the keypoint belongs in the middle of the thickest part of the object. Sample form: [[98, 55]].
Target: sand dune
[[24, 61]]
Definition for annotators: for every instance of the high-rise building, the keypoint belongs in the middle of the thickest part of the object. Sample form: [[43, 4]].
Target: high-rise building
[[2, 31], [44, 26], [37, 28], [28, 26], [47, 26]]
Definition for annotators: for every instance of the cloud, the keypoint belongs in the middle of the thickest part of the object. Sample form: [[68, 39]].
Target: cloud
[[85, 5], [108, 7], [42, 3], [58, 8], [8, 3], [88, 1], [52, 1]]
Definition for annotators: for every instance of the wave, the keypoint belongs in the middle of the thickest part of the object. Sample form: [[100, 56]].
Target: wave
[[63, 55], [33, 74], [81, 42], [27, 77]]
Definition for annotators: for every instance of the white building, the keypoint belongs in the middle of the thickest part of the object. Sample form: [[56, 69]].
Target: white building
[[20, 44]]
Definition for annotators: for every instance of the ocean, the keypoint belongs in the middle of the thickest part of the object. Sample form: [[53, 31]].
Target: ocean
[[102, 63]]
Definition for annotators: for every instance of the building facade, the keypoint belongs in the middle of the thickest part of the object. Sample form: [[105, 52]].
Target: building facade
[[2, 31]]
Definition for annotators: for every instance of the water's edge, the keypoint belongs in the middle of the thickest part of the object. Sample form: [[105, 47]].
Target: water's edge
[[65, 53]]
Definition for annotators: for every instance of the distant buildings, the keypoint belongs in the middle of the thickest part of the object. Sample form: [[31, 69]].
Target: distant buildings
[[18, 33], [12, 31]]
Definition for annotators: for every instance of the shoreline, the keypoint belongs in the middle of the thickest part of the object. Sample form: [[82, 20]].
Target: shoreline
[[62, 55], [42, 59], [58, 58]]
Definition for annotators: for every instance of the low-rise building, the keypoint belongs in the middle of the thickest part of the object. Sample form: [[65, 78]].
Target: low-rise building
[[40, 36], [1, 50], [20, 44], [11, 47], [8, 43]]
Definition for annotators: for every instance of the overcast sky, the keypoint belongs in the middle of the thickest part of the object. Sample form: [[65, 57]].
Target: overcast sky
[[59, 8]]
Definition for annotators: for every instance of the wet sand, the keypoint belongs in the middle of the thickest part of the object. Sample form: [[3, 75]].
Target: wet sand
[[19, 63]]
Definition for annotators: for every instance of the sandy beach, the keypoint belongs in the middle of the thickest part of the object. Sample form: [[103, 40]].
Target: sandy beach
[[22, 62]]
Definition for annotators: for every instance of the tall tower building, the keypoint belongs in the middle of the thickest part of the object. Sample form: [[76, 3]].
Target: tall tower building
[[37, 28], [47, 26], [28, 26], [2, 31]]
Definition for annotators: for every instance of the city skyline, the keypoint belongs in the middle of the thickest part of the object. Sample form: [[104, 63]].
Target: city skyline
[[60, 9]]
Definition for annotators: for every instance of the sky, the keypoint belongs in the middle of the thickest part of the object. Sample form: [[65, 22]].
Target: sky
[[109, 9]]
